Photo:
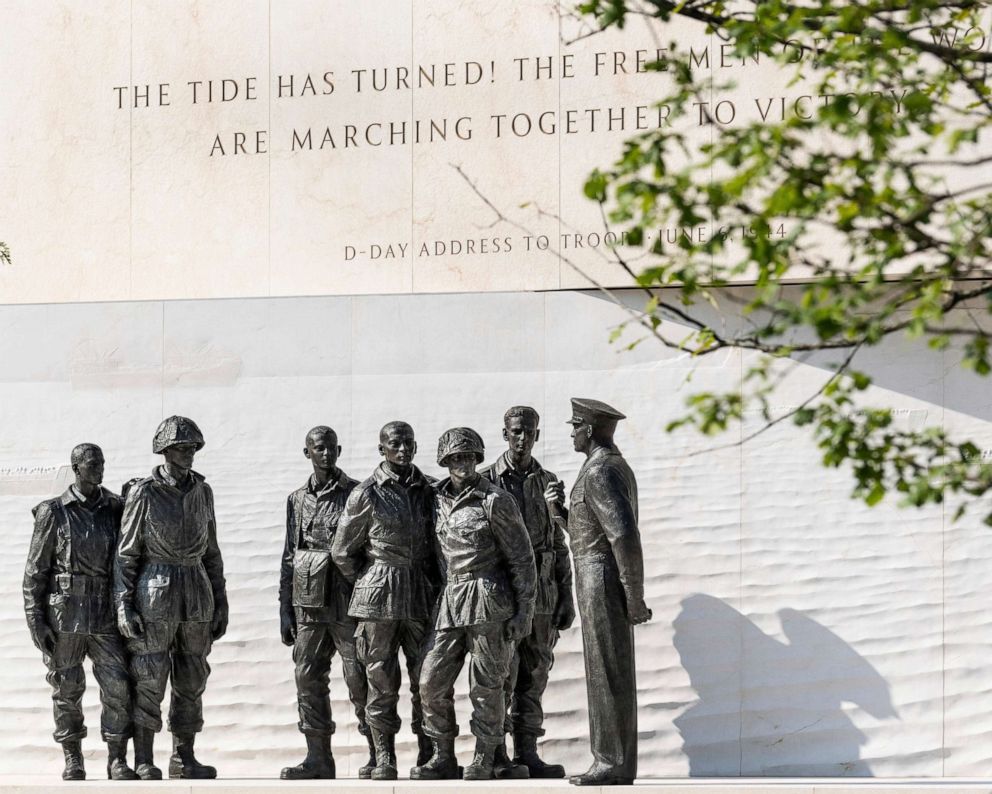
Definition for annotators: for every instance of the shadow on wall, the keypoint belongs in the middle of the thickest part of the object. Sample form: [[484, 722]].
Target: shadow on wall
[[771, 708]]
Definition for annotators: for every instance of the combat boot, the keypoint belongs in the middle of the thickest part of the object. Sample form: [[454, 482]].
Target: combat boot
[[365, 772], [504, 768], [183, 763], [318, 765], [117, 768], [425, 749], [385, 756], [525, 752], [442, 765], [74, 768], [481, 767], [144, 765]]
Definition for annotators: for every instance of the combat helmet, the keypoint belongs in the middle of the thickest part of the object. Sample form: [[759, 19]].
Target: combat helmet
[[460, 439], [176, 430]]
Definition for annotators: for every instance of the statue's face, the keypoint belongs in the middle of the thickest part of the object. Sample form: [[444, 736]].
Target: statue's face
[[398, 447], [581, 435], [90, 468], [323, 451], [520, 435], [180, 455], [461, 464]]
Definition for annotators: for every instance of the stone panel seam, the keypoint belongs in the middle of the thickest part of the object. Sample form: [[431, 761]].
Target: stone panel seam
[[130, 156]]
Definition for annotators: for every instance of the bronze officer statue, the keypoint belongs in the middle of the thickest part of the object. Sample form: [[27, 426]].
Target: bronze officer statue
[[171, 596], [539, 495], [313, 606], [67, 599], [385, 545], [486, 606], [609, 579]]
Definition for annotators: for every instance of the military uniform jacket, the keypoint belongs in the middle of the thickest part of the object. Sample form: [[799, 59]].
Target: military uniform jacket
[[168, 563], [602, 519], [67, 578], [308, 578], [554, 571], [487, 556], [385, 544]]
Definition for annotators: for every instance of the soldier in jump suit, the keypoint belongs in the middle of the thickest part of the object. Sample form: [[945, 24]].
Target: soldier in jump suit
[[171, 596], [487, 605], [67, 600], [313, 606], [609, 582], [539, 494], [385, 544]]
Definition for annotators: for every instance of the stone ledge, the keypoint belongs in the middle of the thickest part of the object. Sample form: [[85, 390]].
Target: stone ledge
[[36, 784]]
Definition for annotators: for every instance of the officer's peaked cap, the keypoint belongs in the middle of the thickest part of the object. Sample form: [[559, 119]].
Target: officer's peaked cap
[[586, 411]]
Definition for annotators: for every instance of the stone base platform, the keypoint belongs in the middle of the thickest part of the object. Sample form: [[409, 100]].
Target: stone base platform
[[36, 784]]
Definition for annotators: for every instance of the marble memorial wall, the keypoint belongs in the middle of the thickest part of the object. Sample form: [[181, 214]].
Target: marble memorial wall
[[182, 176], [252, 148]]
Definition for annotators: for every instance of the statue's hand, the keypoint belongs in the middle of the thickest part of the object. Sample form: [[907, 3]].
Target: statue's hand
[[287, 626], [218, 626], [129, 622], [554, 494], [638, 612], [43, 637], [564, 613], [518, 627]]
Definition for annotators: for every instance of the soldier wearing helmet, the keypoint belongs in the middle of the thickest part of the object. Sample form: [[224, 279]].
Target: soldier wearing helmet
[[486, 606], [171, 597]]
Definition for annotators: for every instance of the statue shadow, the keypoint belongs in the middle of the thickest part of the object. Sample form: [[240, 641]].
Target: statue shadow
[[772, 708]]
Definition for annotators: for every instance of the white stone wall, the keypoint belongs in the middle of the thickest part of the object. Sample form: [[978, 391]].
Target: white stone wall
[[795, 633], [118, 202]]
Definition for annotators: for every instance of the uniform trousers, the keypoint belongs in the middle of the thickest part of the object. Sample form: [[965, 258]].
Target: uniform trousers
[[179, 649], [529, 669], [487, 673], [378, 643], [312, 653], [608, 651], [68, 682]]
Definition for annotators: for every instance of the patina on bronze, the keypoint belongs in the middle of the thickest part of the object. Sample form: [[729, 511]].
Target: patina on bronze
[[313, 607], [385, 544], [486, 606], [609, 578], [539, 495], [171, 597], [69, 608]]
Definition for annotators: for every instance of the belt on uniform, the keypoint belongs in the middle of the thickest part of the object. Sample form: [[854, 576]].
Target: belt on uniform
[[468, 576], [82, 584], [173, 560], [398, 562]]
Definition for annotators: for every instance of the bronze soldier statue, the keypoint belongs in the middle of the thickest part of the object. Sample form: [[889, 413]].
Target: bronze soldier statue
[[313, 606], [69, 608], [385, 545], [539, 495], [609, 580], [486, 606], [171, 597]]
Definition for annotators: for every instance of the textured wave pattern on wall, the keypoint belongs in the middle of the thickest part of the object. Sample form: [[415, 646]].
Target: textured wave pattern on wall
[[795, 632]]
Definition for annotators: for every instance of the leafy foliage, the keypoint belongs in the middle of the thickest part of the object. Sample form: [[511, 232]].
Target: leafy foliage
[[867, 212]]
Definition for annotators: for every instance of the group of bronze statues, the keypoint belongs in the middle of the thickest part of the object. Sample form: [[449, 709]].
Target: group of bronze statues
[[472, 565]]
